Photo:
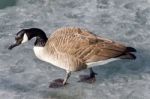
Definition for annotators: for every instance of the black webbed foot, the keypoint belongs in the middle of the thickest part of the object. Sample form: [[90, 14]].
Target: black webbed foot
[[57, 83], [88, 78]]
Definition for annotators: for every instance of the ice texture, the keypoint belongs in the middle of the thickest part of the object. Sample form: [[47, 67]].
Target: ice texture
[[23, 76]]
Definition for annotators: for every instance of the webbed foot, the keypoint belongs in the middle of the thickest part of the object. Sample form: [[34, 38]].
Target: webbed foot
[[57, 83]]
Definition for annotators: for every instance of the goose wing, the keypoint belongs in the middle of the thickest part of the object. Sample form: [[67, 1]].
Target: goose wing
[[85, 45]]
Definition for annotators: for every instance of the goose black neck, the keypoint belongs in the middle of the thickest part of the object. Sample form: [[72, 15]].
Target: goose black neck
[[40, 35]]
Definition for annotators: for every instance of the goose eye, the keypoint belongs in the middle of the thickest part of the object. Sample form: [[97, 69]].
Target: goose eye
[[16, 38]]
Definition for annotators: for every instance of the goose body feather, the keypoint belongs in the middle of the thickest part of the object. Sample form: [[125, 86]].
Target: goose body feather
[[74, 49]]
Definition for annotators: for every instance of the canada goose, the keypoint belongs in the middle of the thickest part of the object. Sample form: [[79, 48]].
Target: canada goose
[[73, 49]]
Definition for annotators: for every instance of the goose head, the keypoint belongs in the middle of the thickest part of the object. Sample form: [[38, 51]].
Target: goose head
[[25, 35]]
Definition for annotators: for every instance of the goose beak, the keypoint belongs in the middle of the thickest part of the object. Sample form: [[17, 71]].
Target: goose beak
[[13, 45]]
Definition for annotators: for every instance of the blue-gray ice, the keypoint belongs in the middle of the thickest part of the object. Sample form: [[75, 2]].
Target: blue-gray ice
[[23, 76]]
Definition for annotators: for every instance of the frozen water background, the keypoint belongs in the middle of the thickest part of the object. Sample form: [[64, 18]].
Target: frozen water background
[[23, 76]]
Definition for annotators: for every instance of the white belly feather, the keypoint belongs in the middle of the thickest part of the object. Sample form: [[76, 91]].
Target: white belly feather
[[92, 64]]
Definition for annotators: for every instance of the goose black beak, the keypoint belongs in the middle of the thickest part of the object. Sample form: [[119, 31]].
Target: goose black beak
[[12, 46]]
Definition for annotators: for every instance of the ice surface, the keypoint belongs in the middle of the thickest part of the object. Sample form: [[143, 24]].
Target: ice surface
[[23, 76]]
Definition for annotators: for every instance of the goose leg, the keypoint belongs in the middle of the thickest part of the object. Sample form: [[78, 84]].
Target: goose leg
[[60, 82], [88, 78], [66, 78]]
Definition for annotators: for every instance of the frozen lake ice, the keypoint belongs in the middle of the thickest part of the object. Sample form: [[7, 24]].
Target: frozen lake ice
[[23, 76]]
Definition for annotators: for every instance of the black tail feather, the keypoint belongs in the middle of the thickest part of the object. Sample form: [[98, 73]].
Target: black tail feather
[[130, 49], [128, 56], [132, 56]]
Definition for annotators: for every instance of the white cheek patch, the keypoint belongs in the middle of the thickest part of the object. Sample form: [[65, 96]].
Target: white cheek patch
[[25, 38]]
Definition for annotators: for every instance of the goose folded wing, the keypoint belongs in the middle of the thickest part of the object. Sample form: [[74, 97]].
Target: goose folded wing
[[86, 46]]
